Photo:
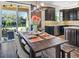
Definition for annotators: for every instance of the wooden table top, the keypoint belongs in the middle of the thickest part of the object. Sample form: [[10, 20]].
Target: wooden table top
[[45, 43]]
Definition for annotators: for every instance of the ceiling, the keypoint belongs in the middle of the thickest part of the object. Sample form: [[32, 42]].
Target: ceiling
[[66, 4], [59, 4]]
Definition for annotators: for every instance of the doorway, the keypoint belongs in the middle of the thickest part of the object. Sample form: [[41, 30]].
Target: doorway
[[14, 16]]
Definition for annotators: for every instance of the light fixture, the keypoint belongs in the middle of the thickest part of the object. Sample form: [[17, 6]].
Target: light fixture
[[11, 5], [39, 7], [3, 5], [42, 4]]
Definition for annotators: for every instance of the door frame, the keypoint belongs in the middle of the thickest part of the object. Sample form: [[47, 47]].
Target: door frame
[[17, 4]]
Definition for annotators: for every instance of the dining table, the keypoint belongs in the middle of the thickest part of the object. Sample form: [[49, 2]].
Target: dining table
[[43, 43]]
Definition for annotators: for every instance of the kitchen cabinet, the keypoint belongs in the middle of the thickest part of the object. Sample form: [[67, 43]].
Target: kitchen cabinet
[[49, 30], [50, 14], [55, 30], [61, 29], [70, 14], [65, 15]]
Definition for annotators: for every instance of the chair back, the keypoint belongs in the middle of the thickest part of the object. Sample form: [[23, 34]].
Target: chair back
[[20, 45]]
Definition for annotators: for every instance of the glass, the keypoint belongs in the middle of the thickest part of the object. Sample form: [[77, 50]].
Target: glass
[[23, 18], [13, 17], [8, 21]]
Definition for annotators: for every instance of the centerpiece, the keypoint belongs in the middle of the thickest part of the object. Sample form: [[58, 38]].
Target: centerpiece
[[36, 21]]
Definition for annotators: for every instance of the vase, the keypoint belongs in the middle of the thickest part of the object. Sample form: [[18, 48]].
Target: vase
[[35, 29]]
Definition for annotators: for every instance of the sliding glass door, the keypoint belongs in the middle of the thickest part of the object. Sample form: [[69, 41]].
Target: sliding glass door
[[14, 16], [8, 12]]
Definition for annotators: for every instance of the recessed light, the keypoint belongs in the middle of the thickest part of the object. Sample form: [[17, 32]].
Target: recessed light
[[3, 5]]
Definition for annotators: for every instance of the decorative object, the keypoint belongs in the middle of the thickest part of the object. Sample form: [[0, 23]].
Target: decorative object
[[36, 20]]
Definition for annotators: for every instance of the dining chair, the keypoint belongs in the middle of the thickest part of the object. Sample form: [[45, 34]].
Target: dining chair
[[10, 35], [21, 52]]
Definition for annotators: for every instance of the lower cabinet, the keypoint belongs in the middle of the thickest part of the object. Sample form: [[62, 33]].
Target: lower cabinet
[[55, 30], [61, 29], [49, 30]]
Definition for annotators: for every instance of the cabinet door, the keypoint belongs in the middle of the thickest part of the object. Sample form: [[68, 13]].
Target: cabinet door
[[49, 30], [73, 14], [65, 15], [61, 30], [67, 34], [78, 38], [73, 37], [52, 30], [50, 14]]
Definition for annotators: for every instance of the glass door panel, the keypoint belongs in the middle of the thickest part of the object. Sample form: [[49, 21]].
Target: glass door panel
[[8, 21], [23, 18]]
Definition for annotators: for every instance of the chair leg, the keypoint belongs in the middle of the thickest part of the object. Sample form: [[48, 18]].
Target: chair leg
[[17, 53], [68, 55], [63, 54]]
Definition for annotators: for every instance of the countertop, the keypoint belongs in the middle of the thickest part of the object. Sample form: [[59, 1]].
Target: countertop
[[71, 27]]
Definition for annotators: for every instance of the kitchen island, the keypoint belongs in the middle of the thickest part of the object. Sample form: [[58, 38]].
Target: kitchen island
[[72, 34]]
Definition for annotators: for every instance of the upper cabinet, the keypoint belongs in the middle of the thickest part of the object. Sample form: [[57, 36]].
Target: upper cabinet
[[65, 15], [50, 14], [70, 14]]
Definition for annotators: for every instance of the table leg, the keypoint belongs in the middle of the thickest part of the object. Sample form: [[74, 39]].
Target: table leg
[[68, 55], [32, 54], [58, 50], [63, 54]]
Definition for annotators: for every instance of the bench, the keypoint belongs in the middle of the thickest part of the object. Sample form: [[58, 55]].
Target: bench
[[66, 49]]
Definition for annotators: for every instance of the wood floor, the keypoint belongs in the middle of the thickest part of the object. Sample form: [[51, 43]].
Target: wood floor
[[8, 50]]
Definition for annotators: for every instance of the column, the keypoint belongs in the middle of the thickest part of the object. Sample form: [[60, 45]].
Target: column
[[57, 12], [43, 19]]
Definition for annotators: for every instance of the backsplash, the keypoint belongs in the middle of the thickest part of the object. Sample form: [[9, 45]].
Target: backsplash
[[54, 23]]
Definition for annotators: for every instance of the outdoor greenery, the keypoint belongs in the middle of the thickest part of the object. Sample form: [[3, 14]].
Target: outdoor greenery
[[8, 23], [12, 23], [21, 22]]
